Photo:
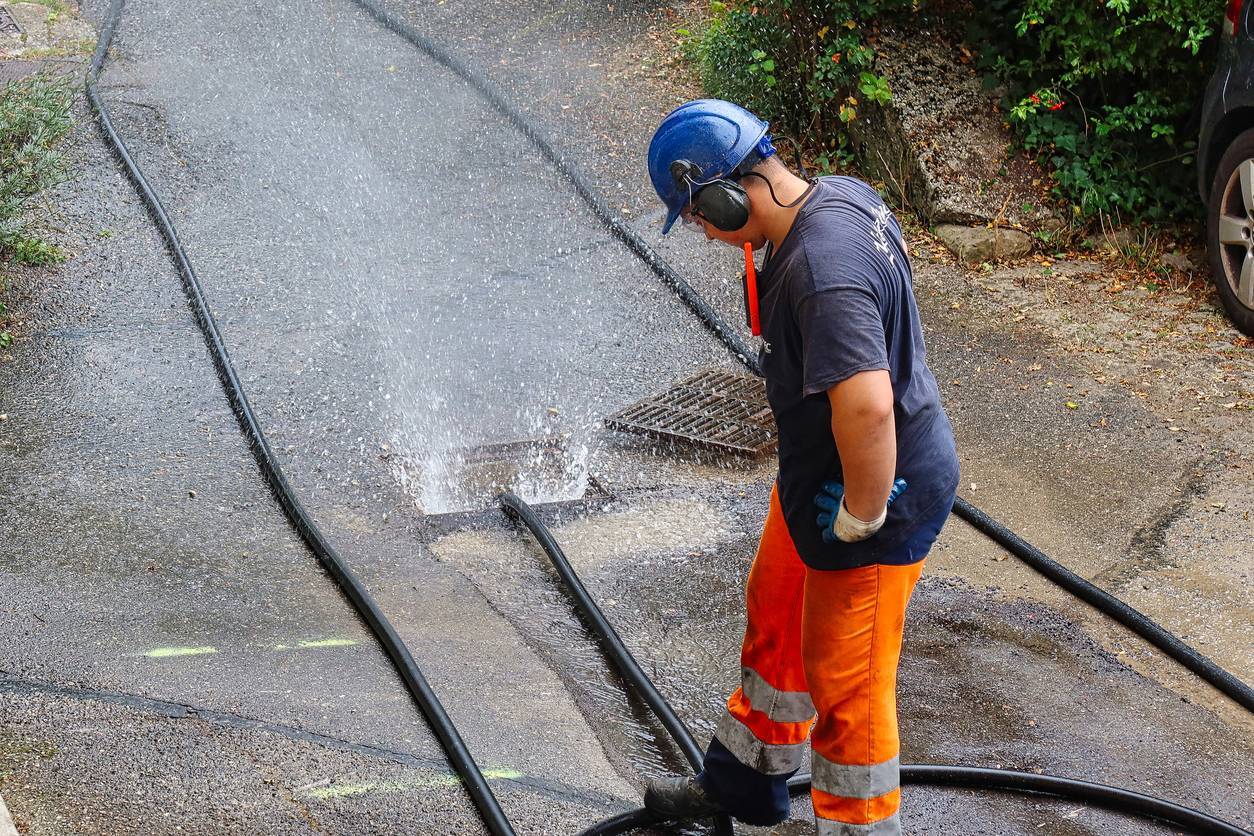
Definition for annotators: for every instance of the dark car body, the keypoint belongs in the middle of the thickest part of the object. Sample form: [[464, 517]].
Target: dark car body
[[1228, 106], [1225, 166]]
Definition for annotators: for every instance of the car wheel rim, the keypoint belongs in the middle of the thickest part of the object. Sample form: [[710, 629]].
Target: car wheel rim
[[1236, 232]]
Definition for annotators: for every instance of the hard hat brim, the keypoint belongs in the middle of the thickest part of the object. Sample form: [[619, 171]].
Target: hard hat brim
[[671, 216]]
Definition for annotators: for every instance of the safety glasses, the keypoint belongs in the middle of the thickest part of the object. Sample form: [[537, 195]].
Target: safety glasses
[[692, 218]]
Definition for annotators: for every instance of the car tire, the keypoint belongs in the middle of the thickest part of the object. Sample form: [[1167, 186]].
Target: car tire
[[1230, 242]]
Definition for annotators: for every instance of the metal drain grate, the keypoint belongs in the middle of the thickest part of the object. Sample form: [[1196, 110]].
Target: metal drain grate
[[714, 409], [472, 477], [8, 26]]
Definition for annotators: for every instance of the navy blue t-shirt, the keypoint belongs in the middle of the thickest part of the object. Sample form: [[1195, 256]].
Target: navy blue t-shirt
[[836, 299]]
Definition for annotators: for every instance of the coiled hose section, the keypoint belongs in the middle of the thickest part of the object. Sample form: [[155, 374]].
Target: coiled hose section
[[1020, 548], [998, 780], [1113, 798], [402, 660]]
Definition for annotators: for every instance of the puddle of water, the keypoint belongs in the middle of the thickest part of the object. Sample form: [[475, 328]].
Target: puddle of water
[[670, 637]]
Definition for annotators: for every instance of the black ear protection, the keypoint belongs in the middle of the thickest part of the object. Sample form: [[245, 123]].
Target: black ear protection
[[720, 201]]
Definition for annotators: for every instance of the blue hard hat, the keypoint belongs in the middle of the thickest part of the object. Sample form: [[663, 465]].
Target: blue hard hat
[[714, 135]]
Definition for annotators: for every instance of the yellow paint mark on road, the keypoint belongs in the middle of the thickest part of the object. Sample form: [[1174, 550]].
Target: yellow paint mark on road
[[327, 643], [503, 774], [304, 644], [424, 782], [316, 643], [166, 652]]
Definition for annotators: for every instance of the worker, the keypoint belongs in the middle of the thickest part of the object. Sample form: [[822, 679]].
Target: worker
[[867, 477]]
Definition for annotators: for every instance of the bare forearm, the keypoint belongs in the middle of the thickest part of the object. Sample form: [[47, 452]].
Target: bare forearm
[[865, 433]]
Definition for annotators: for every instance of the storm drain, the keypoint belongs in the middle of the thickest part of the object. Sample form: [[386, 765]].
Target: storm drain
[[471, 478], [8, 26], [714, 410], [491, 468]]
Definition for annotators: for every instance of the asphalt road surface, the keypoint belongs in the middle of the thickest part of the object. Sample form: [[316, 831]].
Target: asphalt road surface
[[401, 278]]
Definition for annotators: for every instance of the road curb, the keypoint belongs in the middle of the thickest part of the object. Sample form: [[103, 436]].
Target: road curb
[[7, 828]]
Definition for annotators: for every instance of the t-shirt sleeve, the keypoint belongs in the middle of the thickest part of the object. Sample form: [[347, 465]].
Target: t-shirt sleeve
[[842, 333]]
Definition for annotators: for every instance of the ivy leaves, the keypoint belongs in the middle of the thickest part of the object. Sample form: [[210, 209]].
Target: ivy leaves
[[763, 67]]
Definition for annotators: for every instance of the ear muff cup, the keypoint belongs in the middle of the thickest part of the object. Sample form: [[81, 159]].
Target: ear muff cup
[[724, 204]]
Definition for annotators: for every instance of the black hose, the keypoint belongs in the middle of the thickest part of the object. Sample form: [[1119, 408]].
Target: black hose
[[1134, 620], [1114, 798], [419, 689], [998, 780], [622, 823], [1111, 798], [609, 638], [627, 665]]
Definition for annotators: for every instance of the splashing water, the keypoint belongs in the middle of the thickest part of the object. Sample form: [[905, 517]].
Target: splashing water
[[478, 405], [444, 479]]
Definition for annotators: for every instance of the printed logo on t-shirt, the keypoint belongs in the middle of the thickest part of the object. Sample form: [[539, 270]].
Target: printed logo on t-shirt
[[881, 228]]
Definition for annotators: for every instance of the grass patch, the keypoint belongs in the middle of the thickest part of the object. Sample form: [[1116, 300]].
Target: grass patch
[[54, 6], [34, 119], [84, 47], [36, 252]]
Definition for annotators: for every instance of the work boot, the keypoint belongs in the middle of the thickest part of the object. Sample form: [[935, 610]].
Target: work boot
[[680, 798]]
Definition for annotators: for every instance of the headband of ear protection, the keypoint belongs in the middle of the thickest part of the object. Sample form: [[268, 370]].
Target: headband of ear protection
[[720, 201]]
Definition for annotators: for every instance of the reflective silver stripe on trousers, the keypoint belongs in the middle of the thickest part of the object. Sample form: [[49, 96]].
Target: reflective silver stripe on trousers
[[890, 826], [855, 781], [767, 758], [780, 706]]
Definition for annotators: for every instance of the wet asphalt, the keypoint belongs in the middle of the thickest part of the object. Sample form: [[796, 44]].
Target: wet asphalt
[[395, 272]]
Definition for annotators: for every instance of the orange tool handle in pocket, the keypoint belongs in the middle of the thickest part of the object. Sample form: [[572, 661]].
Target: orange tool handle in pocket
[[751, 292]]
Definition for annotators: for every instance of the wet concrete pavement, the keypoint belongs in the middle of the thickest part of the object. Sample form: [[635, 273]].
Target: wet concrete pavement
[[396, 272]]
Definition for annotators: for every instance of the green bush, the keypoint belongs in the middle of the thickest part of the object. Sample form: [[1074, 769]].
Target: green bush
[[804, 66], [1102, 91], [34, 118]]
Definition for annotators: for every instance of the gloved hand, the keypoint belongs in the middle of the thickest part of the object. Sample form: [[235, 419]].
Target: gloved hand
[[836, 521]]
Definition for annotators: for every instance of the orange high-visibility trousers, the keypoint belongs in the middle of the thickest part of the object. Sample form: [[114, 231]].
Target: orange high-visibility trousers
[[819, 660]]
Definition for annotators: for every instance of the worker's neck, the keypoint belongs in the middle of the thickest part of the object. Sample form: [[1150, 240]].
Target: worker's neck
[[777, 220]]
